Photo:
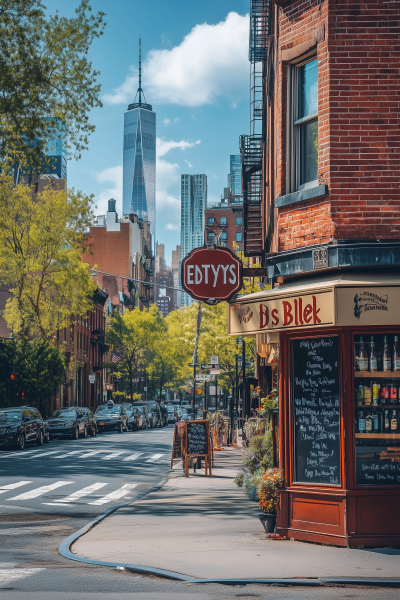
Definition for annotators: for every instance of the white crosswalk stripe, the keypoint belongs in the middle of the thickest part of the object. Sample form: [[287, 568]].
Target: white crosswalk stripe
[[40, 491], [133, 456], [11, 575], [68, 454], [154, 458], [13, 486], [41, 454], [90, 453], [114, 455], [83, 492], [24, 454], [120, 493]]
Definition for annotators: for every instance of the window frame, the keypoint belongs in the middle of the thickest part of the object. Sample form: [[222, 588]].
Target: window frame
[[238, 233], [293, 150], [223, 221], [210, 221]]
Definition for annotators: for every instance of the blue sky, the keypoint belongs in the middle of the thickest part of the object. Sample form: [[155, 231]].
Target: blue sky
[[196, 76]]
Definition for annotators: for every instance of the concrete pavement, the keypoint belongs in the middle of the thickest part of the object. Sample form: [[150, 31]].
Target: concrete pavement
[[206, 528]]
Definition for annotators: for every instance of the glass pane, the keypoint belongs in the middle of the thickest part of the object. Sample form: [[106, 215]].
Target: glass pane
[[238, 236], [308, 152], [377, 408], [308, 89]]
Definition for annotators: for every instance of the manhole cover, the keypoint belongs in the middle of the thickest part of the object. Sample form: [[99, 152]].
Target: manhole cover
[[26, 517]]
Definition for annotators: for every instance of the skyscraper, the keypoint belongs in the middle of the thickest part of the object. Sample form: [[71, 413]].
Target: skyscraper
[[193, 205], [139, 161], [236, 177]]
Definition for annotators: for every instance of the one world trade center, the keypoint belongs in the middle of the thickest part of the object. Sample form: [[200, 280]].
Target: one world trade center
[[139, 163]]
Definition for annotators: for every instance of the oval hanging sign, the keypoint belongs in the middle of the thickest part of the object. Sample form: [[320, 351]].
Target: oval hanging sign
[[211, 274]]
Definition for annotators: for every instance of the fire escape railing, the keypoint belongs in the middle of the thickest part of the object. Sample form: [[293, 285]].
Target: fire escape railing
[[251, 146]]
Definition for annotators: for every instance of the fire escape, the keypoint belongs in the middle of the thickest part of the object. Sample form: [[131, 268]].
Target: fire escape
[[251, 146]]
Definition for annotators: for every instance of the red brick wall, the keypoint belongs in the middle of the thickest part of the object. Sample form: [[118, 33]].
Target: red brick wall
[[358, 129], [231, 228], [110, 250]]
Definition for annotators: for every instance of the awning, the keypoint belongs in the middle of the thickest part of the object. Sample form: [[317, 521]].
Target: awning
[[348, 300]]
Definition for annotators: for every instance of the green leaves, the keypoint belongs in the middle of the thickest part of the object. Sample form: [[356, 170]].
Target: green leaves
[[40, 257], [45, 72]]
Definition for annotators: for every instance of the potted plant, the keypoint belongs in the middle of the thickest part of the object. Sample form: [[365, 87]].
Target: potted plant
[[268, 484]]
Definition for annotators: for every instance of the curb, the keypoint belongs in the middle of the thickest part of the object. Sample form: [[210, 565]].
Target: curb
[[289, 582], [64, 547]]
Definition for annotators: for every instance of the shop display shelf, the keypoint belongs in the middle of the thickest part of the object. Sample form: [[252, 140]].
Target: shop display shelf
[[378, 436], [384, 406], [378, 374]]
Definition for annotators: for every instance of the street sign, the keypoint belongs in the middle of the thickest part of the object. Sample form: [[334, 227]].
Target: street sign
[[202, 377], [207, 366], [211, 274], [214, 360], [92, 377], [192, 365], [215, 371], [145, 389], [135, 380]]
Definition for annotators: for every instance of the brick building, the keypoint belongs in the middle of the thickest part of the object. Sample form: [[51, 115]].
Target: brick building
[[223, 224]]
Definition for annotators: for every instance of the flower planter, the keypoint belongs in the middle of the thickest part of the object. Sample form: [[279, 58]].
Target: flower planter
[[268, 521]]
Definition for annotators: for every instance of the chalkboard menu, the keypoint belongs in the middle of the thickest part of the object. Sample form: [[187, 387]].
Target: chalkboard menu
[[316, 410], [197, 437]]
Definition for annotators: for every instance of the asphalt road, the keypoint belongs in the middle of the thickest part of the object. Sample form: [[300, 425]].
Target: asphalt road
[[48, 493]]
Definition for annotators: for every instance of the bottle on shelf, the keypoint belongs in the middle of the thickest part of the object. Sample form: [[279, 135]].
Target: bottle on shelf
[[367, 394], [373, 359], [375, 393], [386, 422], [396, 354], [385, 393], [362, 357], [361, 422], [368, 423], [393, 422], [375, 422], [356, 367], [387, 359], [393, 392]]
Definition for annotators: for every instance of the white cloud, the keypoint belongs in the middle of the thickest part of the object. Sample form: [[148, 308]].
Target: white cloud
[[172, 226], [113, 176], [211, 61], [189, 164], [166, 121]]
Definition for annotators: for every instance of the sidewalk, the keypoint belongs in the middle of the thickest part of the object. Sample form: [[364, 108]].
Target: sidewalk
[[206, 528]]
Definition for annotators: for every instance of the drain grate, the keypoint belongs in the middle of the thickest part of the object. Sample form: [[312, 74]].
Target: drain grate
[[27, 517]]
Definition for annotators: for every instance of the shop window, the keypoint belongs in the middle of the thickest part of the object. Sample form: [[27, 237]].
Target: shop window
[[210, 221], [303, 126], [224, 236], [238, 236], [377, 408], [223, 221], [239, 221]]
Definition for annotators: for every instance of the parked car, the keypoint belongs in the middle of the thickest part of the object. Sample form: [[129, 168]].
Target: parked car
[[172, 414], [19, 425], [164, 415], [91, 420], [153, 413], [185, 415], [111, 416], [136, 418], [71, 422]]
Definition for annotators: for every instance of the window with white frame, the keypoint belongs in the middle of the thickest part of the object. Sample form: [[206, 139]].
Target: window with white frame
[[302, 152], [223, 221]]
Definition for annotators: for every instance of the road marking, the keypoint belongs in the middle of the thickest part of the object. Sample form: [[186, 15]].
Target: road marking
[[68, 454], [91, 453], [41, 454], [12, 486], [120, 493], [83, 492], [113, 455], [23, 453], [9, 575], [133, 456], [40, 491], [155, 458]]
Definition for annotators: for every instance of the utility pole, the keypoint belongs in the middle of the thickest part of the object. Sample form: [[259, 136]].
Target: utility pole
[[196, 342], [244, 393]]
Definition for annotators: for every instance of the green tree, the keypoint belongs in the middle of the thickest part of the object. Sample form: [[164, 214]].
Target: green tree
[[163, 367], [40, 257], [48, 86], [41, 368], [134, 336]]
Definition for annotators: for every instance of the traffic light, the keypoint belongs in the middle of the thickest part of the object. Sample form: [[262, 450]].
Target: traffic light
[[14, 376]]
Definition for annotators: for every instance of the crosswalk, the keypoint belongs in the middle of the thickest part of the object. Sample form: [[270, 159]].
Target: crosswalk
[[84, 495], [104, 454]]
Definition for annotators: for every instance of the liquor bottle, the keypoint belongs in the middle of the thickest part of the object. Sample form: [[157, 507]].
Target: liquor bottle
[[385, 393], [375, 422], [373, 359], [387, 359], [396, 354], [360, 396], [367, 394], [362, 357], [393, 422], [361, 422], [356, 367], [368, 423], [386, 422], [375, 394], [393, 392]]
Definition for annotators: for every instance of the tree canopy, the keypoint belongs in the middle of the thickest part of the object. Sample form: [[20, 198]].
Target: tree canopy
[[48, 85], [40, 257]]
